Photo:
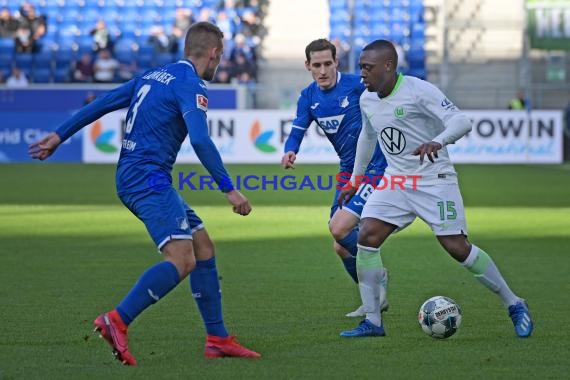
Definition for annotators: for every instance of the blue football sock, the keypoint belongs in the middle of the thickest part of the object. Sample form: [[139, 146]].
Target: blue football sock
[[206, 291], [349, 242], [350, 266], [154, 284]]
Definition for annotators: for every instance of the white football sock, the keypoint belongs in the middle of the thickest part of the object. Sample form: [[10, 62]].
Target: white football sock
[[482, 266], [370, 274]]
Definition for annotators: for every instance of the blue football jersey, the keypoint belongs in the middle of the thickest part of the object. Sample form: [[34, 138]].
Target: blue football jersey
[[165, 105], [336, 111]]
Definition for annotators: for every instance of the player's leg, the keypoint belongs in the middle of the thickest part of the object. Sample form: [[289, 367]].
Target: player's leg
[[371, 271], [441, 206], [164, 215], [383, 214], [205, 287], [478, 262], [343, 226], [344, 229]]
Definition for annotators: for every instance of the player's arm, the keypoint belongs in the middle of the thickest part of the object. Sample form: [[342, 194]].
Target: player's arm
[[108, 102], [209, 156], [456, 124], [197, 125], [193, 103], [302, 121]]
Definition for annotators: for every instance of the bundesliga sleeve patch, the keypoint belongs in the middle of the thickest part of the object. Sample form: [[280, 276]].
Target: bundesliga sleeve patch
[[202, 102]]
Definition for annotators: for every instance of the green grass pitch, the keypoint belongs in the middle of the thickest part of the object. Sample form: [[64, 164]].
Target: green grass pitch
[[69, 250]]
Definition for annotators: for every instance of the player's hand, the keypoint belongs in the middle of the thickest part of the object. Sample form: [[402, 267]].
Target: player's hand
[[45, 147], [428, 149], [240, 203], [345, 196], [288, 160]]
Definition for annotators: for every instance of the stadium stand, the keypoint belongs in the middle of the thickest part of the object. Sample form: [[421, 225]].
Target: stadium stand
[[400, 21], [127, 28]]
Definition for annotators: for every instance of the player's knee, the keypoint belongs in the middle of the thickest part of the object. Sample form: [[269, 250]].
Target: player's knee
[[186, 265], [457, 246], [181, 254], [371, 233], [338, 231]]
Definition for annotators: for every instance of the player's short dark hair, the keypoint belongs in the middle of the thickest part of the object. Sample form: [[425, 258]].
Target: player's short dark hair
[[200, 37], [381, 46], [320, 45]]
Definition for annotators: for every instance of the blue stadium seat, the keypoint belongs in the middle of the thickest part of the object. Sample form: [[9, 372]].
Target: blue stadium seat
[[61, 76], [6, 60], [24, 61], [41, 75], [63, 57], [125, 44], [125, 56], [335, 4], [43, 59], [7, 45], [419, 72], [163, 59], [145, 60]]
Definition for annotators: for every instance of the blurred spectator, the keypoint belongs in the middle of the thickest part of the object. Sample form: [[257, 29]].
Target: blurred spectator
[[23, 39], [519, 102], [182, 21], [241, 47], [242, 66], [2, 77], [224, 73], [161, 42], [31, 28], [222, 77], [8, 23], [226, 25], [252, 28], [105, 67], [127, 70], [83, 70], [101, 37], [207, 15], [17, 79]]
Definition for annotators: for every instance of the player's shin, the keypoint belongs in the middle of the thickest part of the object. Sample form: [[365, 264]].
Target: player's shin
[[154, 284], [482, 266], [206, 291], [370, 273], [349, 242]]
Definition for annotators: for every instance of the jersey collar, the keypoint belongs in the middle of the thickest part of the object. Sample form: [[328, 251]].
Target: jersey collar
[[396, 86], [189, 63]]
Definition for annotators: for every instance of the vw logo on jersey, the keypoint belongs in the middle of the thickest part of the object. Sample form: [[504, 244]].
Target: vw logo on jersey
[[393, 139], [330, 124]]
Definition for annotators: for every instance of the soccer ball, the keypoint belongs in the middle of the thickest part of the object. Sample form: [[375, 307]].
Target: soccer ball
[[440, 317]]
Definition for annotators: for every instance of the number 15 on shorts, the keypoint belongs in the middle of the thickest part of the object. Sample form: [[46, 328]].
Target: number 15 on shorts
[[447, 210]]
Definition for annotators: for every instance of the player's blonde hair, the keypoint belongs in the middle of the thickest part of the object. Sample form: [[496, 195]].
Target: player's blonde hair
[[200, 37]]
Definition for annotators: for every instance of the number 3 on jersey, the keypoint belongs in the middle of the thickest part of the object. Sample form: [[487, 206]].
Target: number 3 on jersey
[[140, 97]]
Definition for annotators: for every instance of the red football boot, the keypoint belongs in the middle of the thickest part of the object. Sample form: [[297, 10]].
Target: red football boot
[[112, 328], [217, 347]]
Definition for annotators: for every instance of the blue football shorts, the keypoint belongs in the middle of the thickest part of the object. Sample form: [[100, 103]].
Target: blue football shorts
[[356, 203], [164, 213]]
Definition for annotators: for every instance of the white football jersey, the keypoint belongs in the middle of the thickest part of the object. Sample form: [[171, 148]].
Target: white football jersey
[[413, 114]]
